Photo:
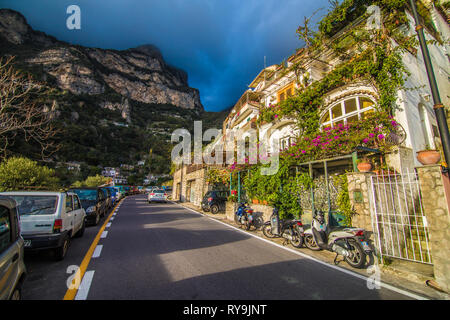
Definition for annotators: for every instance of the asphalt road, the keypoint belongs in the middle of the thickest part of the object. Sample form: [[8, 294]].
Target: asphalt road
[[165, 252]]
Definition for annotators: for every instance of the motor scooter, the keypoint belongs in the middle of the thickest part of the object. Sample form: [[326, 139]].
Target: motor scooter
[[290, 230], [244, 216], [347, 242]]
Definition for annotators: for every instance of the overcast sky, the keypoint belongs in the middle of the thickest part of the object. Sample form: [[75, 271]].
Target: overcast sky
[[221, 44]]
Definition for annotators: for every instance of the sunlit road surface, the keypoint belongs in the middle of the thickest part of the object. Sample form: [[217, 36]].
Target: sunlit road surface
[[165, 252]]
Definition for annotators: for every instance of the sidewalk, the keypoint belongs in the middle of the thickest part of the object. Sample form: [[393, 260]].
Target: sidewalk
[[398, 277]]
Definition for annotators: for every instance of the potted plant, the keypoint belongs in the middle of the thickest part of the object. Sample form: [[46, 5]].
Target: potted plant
[[428, 156], [364, 165]]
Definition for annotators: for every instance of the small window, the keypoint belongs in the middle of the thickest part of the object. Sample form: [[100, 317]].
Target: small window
[[5, 229], [76, 203], [350, 106], [365, 103], [336, 111], [286, 92], [69, 203]]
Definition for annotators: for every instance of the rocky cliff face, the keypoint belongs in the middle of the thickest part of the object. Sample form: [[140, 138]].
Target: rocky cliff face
[[138, 74]]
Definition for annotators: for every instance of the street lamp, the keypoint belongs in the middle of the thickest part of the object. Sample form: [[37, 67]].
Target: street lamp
[[438, 106]]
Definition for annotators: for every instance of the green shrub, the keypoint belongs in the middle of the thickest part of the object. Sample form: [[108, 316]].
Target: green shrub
[[18, 173]]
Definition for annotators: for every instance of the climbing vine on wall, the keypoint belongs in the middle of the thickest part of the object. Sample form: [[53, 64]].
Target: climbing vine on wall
[[367, 56]]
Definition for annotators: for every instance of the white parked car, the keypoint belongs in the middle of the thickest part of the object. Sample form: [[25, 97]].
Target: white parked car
[[49, 220], [157, 195]]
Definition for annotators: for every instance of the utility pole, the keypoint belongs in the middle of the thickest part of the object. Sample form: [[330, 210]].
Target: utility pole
[[438, 106]]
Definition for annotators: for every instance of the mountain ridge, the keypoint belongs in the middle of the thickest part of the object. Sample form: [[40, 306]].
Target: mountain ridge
[[140, 73]]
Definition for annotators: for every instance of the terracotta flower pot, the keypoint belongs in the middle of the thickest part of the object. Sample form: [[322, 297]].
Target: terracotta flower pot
[[265, 202], [255, 201], [364, 166], [427, 157]]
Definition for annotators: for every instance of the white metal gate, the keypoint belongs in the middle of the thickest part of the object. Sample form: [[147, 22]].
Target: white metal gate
[[399, 223]]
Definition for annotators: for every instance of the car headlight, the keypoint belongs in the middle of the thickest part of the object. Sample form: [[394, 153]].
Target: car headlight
[[90, 209]]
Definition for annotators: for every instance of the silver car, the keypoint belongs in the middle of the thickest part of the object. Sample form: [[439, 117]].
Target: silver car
[[157, 195], [12, 267]]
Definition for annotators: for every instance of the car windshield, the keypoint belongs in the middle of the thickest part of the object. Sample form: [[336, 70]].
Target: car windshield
[[158, 191], [86, 194], [36, 205]]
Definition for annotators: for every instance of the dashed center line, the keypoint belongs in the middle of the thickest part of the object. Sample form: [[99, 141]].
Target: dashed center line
[[104, 234], [98, 251], [85, 285]]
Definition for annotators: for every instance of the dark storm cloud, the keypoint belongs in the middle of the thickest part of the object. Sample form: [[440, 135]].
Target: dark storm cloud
[[220, 43]]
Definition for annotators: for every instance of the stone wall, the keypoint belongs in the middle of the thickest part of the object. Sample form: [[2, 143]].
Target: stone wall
[[435, 206], [178, 178], [401, 159], [262, 212], [192, 182], [358, 188]]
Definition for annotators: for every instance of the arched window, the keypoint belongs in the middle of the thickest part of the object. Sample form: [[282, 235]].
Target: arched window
[[347, 111]]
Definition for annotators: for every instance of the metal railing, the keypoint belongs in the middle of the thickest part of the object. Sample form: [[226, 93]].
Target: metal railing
[[399, 223]]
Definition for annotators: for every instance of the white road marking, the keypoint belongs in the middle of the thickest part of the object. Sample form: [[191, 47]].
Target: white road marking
[[104, 234], [108, 224], [111, 219], [97, 251], [351, 273], [85, 285]]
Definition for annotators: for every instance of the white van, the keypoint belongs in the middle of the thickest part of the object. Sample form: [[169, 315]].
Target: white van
[[48, 220]]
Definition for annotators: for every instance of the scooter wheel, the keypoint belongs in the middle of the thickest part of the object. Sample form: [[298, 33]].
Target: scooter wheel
[[358, 258], [311, 243], [297, 240], [267, 231]]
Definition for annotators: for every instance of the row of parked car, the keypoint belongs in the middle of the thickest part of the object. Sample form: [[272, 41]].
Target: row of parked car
[[36, 221]]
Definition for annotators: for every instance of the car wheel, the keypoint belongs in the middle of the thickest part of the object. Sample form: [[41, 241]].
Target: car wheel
[[214, 208], [60, 253]]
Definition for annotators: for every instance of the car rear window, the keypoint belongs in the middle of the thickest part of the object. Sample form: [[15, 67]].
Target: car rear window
[[158, 191], [36, 205], [86, 194]]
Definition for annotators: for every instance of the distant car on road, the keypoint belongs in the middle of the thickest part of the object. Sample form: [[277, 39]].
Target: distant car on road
[[49, 220], [121, 190], [134, 190], [115, 194], [157, 195], [12, 267], [93, 202], [214, 201]]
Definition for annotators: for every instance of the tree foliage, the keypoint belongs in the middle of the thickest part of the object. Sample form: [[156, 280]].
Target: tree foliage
[[91, 181], [17, 173]]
